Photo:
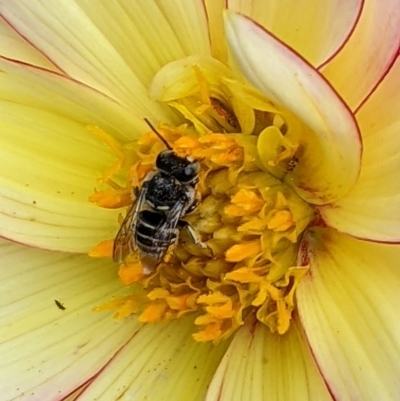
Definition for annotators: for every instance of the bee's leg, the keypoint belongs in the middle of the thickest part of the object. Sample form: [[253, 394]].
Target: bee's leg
[[137, 192], [193, 235], [192, 206], [194, 201]]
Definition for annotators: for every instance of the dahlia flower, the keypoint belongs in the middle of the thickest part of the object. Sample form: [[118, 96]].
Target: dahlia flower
[[293, 111]]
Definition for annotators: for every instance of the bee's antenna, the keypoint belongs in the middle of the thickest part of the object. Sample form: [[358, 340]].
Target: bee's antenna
[[157, 133]]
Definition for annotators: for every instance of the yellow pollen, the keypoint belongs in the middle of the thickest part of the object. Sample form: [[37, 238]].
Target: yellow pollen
[[281, 220], [114, 146], [242, 251], [102, 250], [111, 200], [244, 275], [154, 312], [212, 332], [249, 222], [244, 202], [131, 273]]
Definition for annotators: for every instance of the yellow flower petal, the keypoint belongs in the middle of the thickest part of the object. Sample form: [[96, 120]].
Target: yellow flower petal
[[178, 78], [65, 97], [261, 366], [161, 362], [52, 161], [214, 82], [329, 138], [315, 29], [114, 48], [48, 350], [368, 53], [13, 46], [371, 209], [214, 10], [348, 305]]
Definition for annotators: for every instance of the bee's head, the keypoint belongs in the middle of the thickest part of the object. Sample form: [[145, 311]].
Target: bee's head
[[184, 169]]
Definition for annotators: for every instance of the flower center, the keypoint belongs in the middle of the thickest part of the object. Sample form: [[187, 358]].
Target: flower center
[[250, 220]]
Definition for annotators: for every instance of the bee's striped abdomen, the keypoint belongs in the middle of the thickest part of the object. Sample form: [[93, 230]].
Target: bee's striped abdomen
[[147, 227]]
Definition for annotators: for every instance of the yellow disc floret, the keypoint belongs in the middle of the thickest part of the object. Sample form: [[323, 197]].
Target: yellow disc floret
[[250, 220]]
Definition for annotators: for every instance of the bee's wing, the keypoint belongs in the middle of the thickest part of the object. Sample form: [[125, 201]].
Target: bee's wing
[[124, 243], [167, 229]]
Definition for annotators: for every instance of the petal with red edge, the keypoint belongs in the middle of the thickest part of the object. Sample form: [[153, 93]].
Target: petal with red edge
[[328, 135], [348, 306], [45, 90], [371, 209], [50, 162], [47, 352], [161, 362], [16, 47], [313, 28], [260, 365], [116, 47], [368, 53]]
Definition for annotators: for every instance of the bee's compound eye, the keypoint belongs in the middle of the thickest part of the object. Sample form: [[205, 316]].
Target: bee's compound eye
[[189, 173], [193, 169]]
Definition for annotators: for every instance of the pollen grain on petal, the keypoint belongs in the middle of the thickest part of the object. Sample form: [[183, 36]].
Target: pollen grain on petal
[[102, 250]]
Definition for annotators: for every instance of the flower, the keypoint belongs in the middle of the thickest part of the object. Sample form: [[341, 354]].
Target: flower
[[333, 73]]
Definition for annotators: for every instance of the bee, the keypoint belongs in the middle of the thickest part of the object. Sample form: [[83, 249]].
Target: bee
[[152, 223]]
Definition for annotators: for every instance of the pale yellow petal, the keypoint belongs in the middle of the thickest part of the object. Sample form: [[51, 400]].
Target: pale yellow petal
[[262, 366], [51, 163], [371, 209], [368, 53], [315, 29], [161, 362], [114, 46], [47, 352], [45, 90], [214, 10], [327, 134], [15, 47], [178, 79], [349, 307]]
